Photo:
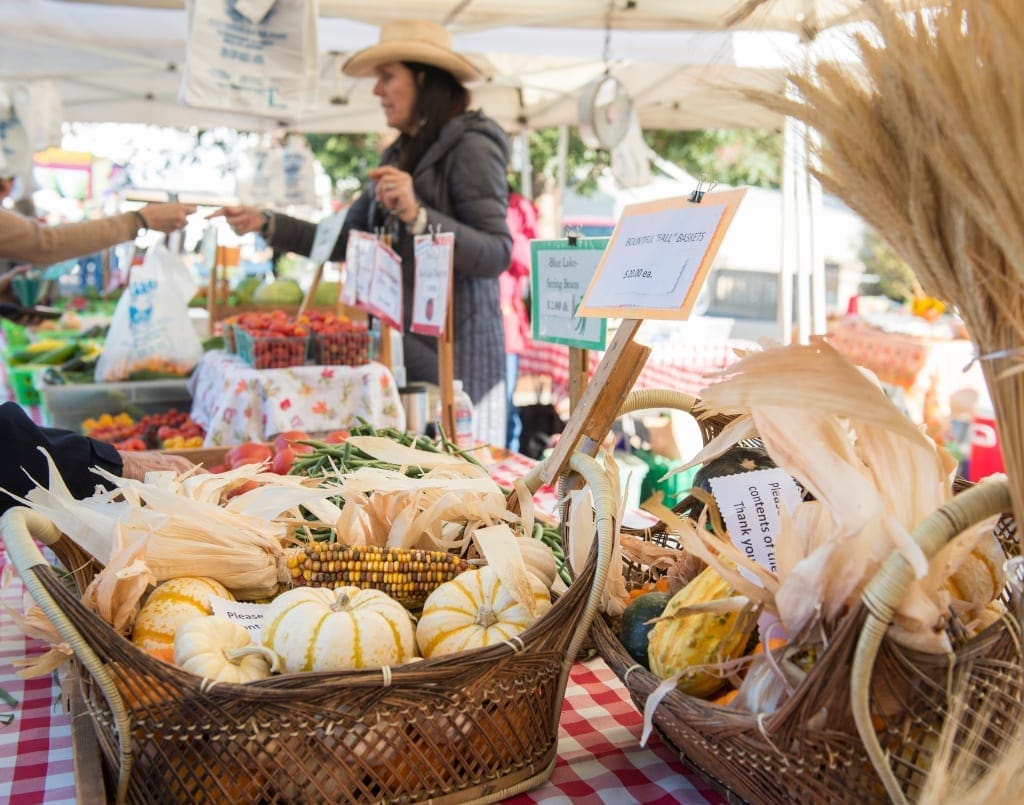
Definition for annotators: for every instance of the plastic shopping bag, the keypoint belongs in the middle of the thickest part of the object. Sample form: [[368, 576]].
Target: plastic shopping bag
[[151, 335]]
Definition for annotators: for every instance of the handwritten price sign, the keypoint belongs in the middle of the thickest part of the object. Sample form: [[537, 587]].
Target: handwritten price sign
[[659, 256], [559, 274]]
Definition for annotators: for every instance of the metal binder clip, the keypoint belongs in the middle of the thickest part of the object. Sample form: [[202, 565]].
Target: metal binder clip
[[703, 187], [573, 235]]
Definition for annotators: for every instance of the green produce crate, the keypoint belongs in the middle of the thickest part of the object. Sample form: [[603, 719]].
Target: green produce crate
[[22, 380], [15, 334], [271, 352], [68, 405]]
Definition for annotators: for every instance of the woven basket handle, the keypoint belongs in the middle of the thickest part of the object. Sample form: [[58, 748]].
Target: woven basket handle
[[886, 590], [640, 399], [19, 528]]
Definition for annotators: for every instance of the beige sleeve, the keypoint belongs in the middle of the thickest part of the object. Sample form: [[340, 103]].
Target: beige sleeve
[[27, 240]]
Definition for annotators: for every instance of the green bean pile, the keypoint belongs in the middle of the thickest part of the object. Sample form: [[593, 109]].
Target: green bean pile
[[344, 457], [550, 536]]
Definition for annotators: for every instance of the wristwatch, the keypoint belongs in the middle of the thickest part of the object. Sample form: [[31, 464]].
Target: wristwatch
[[267, 229], [419, 224]]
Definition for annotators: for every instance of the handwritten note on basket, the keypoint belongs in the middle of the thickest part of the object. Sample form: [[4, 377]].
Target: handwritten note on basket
[[560, 273], [243, 613], [659, 256], [750, 503]]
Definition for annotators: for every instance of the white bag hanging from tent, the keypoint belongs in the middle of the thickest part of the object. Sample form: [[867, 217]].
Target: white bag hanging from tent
[[299, 176], [15, 153], [631, 166], [30, 118], [41, 110], [252, 56], [259, 176]]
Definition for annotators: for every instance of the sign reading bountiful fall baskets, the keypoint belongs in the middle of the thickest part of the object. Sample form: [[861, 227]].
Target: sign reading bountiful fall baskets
[[659, 256]]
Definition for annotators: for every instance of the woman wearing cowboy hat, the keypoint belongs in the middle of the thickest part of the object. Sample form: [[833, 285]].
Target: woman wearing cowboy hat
[[446, 169]]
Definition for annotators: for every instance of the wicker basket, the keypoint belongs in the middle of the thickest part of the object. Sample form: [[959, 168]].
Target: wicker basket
[[474, 726], [830, 740]]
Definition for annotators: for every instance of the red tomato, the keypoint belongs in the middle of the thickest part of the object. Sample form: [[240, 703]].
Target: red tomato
[[288, 438], [248, 453], [165, 432], [283, 460], [337, 437]]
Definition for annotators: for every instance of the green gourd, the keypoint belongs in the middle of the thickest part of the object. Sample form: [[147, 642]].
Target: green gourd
[[634, 630]]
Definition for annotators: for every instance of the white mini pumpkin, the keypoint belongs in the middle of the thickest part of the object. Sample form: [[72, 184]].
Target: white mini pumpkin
[[169, 606], [221, 650], [475, 609], [319, 629], [539, 559]]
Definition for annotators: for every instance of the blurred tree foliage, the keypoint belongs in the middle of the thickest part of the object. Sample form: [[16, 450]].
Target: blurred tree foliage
[[735, 157], [346, 157], [739, 157], [891, 276]]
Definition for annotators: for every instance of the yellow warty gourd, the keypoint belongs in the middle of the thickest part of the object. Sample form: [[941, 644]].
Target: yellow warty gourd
[[679, 641]]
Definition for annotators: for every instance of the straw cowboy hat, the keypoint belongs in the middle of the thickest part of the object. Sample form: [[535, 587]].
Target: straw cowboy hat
[[416, 41]]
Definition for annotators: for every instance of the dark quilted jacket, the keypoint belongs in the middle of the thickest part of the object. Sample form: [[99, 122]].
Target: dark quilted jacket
[[461, 183]]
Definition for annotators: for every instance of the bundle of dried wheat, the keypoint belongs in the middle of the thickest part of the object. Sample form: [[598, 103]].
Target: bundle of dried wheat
[[924, 140]]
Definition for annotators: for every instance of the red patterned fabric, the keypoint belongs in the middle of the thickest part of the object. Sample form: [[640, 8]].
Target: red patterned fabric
[[686, 367]]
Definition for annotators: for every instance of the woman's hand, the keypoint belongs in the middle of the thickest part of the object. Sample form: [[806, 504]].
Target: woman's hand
[[241, 219], [395, 191], [166, 217], [136, 463]]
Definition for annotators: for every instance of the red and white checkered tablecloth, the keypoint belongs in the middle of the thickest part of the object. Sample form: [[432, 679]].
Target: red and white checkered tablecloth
[[685, 366], [599, 754]]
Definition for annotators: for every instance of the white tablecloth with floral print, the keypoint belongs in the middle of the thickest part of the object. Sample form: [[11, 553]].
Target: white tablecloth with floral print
[[236, 403]]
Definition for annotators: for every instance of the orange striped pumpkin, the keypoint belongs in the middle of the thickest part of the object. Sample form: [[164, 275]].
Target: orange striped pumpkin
[[169, 606]]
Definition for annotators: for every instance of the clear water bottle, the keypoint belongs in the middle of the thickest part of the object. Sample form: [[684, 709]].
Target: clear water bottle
[[463, 405], [463, 417]]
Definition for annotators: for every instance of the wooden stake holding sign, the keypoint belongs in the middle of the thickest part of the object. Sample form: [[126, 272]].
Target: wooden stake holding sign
[[655, 263], [432, 312]]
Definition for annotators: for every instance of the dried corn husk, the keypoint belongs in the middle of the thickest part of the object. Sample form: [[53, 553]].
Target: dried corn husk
[[873, 474], [182, 537], [498, 546], [436, 510], [33, 622]]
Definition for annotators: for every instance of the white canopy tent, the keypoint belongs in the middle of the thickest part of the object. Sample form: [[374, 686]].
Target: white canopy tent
[[121, 61]]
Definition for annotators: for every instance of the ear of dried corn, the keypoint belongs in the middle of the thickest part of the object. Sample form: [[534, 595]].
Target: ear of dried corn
[[408, 575]]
